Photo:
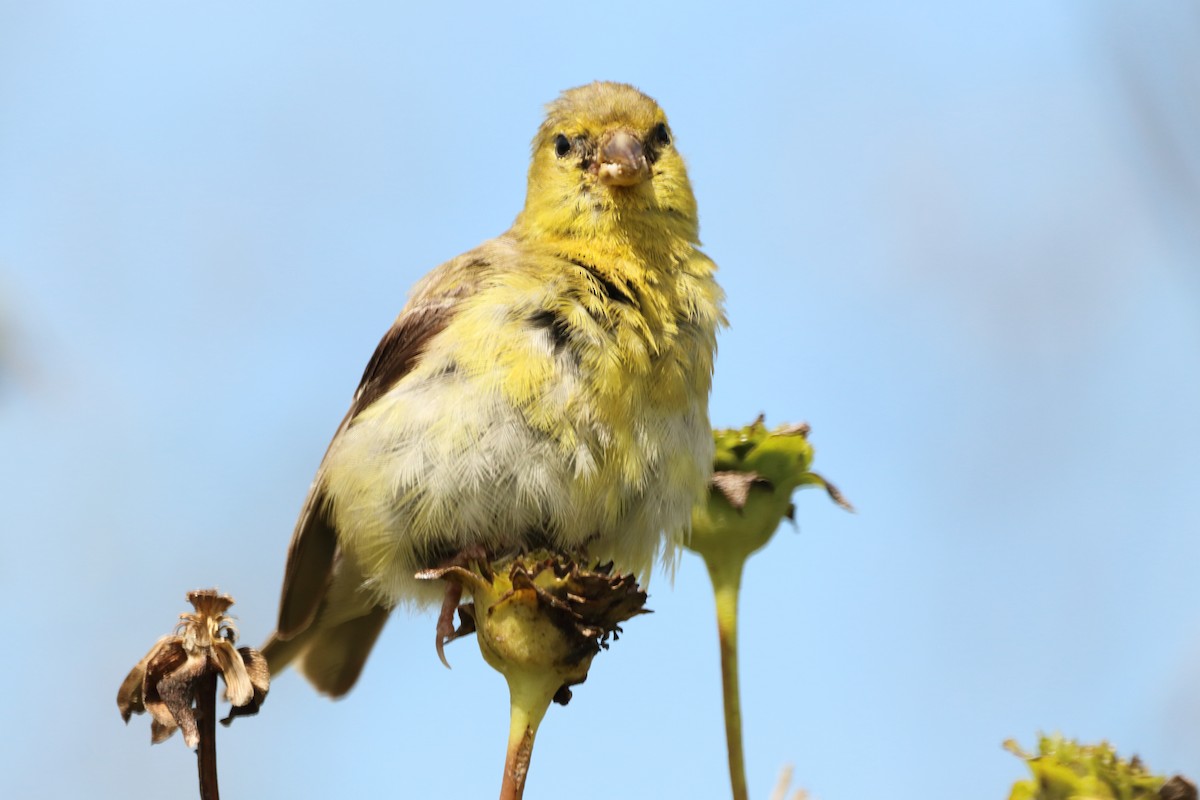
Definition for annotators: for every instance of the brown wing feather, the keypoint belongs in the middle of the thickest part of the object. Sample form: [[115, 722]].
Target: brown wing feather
[[309, 564], [313, 550], [398, 352]]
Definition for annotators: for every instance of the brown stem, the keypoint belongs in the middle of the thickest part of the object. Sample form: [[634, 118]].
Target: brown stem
[[206, 721], [530, 693], [516, 767]]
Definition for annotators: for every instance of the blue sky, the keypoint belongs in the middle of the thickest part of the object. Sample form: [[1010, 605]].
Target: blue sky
[[948, 243]]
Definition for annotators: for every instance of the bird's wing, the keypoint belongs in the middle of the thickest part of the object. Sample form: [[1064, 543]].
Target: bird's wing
[[313, 551]]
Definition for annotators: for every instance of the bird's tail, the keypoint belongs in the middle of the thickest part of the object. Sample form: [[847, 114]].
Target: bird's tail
[[331, 654]]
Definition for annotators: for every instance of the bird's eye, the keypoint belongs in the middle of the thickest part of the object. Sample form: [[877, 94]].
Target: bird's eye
[[562, 145], [660, 134]]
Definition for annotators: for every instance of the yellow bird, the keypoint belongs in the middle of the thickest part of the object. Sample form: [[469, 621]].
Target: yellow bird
[[547, 389]]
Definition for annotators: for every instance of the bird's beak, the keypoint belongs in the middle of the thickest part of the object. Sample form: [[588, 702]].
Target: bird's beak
[[622, 159]]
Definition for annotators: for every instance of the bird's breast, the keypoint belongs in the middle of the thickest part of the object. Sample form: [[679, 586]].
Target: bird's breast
[[546, 406]]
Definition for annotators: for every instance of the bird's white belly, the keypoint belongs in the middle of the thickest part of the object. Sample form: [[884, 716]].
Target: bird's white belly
[[438, 464]]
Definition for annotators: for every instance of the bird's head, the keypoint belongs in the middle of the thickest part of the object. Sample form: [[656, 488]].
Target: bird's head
[[604, 162]]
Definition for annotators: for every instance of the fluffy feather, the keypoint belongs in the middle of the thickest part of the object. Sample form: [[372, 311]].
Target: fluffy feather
[[549, 387]]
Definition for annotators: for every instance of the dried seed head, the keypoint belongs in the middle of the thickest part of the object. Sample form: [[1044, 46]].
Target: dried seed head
[[164, 681], [544, 613]]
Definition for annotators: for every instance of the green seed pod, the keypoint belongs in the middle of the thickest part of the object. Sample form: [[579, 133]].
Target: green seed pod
[[755, 472]]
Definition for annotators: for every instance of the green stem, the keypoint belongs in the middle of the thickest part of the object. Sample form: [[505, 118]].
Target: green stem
[[726, 580], [530, 695]]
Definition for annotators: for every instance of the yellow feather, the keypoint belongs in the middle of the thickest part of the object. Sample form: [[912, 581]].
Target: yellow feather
[[566, 395]]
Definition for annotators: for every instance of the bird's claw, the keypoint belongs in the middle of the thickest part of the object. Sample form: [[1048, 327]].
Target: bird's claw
[[446, 631]]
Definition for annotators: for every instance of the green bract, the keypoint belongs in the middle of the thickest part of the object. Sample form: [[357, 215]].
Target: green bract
[[1066, 770], [755, 472]]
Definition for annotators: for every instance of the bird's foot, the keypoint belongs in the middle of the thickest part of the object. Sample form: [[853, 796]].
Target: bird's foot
[[446, 630]]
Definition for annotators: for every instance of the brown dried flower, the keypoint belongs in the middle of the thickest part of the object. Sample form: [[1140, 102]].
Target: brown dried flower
[[164, 682]]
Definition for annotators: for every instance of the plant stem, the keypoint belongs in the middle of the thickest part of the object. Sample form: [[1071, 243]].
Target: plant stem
[[726, 580], [206, 722], [530, 696]]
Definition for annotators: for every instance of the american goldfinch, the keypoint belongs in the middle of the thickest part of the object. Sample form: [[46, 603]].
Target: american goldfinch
[[547, 389]]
